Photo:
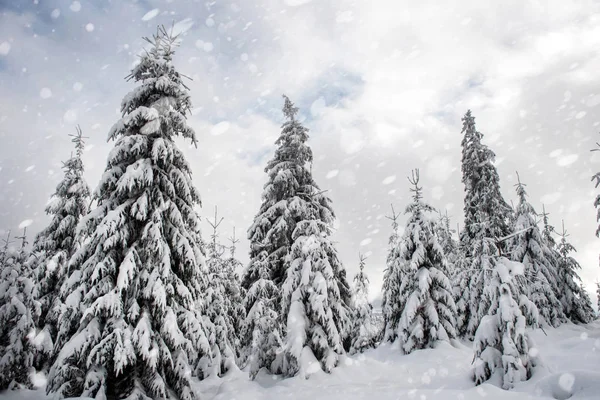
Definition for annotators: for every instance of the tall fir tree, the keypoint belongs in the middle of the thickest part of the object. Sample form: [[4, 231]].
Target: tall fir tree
[[316, 299], [576, 303], [363, 336], [19, 312], [501, 340], [424, 299], [487, 216], [138, 280], [529, 248], [54, 246], [292, 197]]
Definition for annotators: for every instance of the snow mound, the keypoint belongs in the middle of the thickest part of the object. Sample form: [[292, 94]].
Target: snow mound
[[570, 385]]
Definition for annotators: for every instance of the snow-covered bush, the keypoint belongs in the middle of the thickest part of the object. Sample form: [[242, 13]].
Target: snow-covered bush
[[501, 342]]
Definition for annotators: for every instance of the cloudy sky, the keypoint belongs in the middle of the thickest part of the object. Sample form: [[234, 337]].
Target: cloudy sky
[[382, 86]]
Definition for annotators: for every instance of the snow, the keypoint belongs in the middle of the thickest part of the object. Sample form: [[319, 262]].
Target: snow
[[25, 223], [75, 6], [55, 13], [45, 93], [4, 48], [150, 14], [182, 26], [220, 128], [89, 27], [77, 86], [70, 116], [566, 160], [389, 180], [567, 370], [332, 174]]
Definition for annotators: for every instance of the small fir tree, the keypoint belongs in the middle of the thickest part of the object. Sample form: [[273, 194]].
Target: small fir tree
[[529, 248], [576, 303], [137, 282], [18, 314], [260, 331], [425, 302], [219, 307], [596, 178], [363, 336]]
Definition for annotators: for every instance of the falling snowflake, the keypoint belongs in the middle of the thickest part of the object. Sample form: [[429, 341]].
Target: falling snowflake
[[389, 179], [25, 223], [45, 93], [150, 14], [220, 128], [89, 27], [75, 6], [4, 48]]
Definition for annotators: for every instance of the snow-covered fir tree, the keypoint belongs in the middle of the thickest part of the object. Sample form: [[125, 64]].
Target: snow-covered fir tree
[[596, 178], [137, 281], [598, 298], [424, 302], [445, 239], [390, 288], [260, 331], [487, 215], [486, 212], [575, 301], [529, 248], [290, 198], [362, 331], [219, 307], [234, 293], [19, 312], [54, 246], [501, 341]]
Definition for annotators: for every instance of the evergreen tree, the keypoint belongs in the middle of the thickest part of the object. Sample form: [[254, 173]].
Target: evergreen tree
[[390, 288], [290, 198], [501, 342], [445, 239], [425, 302], [598, 298], [362, 331], [234, 293], [576, 304], [219, 307], [54, 246], [487, 216], [138, 279], [316, 297], [596, 178], [529, 248], [260, 331], [18, 314]]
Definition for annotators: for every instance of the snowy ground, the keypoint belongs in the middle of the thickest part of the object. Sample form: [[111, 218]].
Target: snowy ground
[[570, 368]]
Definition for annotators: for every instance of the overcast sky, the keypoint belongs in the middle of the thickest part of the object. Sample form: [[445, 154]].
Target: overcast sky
[[381, 85]]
